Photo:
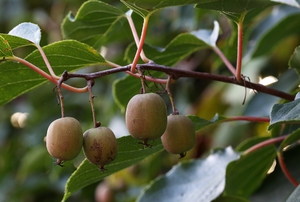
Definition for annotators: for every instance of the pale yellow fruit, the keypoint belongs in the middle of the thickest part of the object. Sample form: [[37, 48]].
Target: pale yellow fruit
[[146, 116], [64, 139], [100, 146], [179, 136]]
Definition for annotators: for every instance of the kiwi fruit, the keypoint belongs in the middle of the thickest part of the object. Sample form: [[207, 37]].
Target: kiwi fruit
[[179, 136], [100, 146], [146, 117], [64, 139]]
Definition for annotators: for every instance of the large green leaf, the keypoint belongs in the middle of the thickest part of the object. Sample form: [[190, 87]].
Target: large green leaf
[[129, 153], [17, 79], [281, 23], [236, 9], [285, 113], [245, 175], [195, 180], [144, 7], [93, 23]]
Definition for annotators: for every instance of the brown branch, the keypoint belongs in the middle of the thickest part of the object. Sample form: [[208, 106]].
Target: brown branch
[[178, 73]]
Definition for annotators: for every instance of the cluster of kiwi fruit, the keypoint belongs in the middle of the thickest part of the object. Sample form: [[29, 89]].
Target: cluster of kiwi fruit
[[65, 139], [146, 119]]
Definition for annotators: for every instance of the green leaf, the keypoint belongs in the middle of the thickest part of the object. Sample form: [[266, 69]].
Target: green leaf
[[295, 196], [17, 79], [246, 144], [129, 153], [294, 61], [234, 9], [281, 23], [93, 23], [15, 41], [201, 123], [146, 7], [285, 113], [195, 180], [124, 89], [5, 49], [179, 48], [245, 175], [292, 138], [27, 30]]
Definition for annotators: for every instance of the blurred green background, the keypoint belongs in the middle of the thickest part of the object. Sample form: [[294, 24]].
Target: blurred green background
[[27, 171]]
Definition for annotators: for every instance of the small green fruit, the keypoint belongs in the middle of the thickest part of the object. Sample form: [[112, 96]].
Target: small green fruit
[[100, 146], [146, 116], [64, 139], [179, 136]]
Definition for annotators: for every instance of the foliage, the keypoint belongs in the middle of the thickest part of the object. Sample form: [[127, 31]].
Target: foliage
[[195, 54]]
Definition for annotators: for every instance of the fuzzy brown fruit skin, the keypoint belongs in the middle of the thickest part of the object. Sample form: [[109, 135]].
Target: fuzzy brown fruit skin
[[146, 116], [100, 146], [179, 136], [64, 139]]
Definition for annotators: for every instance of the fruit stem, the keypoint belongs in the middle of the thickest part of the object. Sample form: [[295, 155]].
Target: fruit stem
[[142, 77], [141, 44], [174, 110], [60, 95], [90, 84]]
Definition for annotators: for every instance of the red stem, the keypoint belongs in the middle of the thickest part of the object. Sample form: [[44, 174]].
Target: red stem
[[285, 170], [141, 44], [248, 118], [239, 50], [264, 143]]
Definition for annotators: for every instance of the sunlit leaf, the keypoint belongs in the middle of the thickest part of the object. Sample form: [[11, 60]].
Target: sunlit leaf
[[129, 153], [27, 30], [93, 23], [195, 180], [288, 2]]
